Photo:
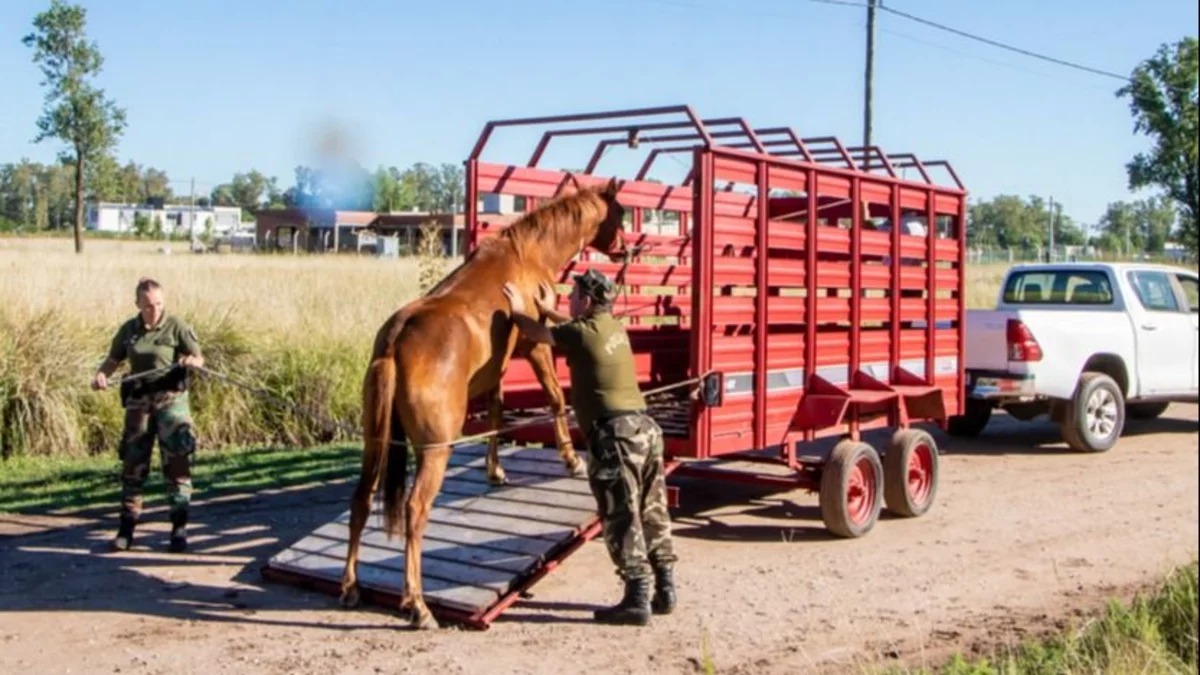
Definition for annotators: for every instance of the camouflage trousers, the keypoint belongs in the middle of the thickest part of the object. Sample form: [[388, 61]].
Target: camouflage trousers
[[625, 471], [165, 416]]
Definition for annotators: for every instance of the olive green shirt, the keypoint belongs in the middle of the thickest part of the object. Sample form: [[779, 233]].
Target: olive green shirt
[[603, 375], [155, 348]]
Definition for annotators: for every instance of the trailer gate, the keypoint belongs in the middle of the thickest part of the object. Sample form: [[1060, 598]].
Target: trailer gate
[[483, 547]]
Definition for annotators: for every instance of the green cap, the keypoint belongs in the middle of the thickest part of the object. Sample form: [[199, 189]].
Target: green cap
[[595, 285]]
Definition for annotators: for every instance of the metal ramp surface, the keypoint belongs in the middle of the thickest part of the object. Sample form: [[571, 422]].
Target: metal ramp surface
[[483, 547]]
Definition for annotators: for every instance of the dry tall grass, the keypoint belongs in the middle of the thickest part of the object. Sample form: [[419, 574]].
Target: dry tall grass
[[983, 284], [300, 326]]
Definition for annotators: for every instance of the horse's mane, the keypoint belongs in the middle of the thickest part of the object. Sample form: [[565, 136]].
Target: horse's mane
[[534, 229]]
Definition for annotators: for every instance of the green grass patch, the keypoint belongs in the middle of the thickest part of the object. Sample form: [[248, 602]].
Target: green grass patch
[[1156, 633], [58, 484]]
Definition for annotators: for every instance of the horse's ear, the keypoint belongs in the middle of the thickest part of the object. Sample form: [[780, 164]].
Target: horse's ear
[[569, 187], [612, 188]]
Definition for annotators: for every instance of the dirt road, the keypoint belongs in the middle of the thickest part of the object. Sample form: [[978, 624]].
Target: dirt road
[[1025, 535]]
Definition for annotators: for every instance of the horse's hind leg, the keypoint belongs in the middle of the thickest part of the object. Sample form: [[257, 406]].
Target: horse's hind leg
[[360, 510], [542, 359], [495, 472], [431, 469]]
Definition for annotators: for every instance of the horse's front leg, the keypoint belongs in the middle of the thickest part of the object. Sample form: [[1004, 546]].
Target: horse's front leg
[[495, 472], [542, 359]]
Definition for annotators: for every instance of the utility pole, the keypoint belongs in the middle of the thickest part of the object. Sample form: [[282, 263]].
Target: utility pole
[[192, 214], [1049, 256], [869, 76]]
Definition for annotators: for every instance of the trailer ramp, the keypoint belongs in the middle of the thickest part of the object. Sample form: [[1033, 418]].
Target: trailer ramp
[[483, 547]]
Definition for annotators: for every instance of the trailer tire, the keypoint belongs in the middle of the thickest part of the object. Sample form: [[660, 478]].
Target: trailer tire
[[1147, 411], [976, 415], [850, 480], [910, 473], [1095, 415]]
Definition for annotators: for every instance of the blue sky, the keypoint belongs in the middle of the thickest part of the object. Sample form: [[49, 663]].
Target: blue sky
[[212, 87]]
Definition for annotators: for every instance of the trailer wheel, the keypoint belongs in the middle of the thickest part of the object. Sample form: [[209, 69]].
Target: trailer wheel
[[1095, 416], [850, 489], [910, 473], [970, 424]]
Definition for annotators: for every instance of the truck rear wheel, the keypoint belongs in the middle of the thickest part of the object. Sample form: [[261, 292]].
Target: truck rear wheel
[[1095, 415], [970, 424], [1147, 411], [850, 481]]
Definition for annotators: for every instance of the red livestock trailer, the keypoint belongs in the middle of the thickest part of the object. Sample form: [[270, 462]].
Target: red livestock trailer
[[775, 277], [785, 289]]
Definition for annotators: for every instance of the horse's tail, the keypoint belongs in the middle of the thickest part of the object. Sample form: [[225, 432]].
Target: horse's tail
[[386, 442]]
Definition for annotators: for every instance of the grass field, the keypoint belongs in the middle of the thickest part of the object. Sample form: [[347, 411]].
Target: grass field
[[299, 326]]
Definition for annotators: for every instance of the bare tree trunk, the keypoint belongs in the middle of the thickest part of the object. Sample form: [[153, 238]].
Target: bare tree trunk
[[78, 201]]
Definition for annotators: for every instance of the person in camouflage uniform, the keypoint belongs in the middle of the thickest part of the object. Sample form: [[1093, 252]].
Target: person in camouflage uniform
[[160, 348], [625, 445]]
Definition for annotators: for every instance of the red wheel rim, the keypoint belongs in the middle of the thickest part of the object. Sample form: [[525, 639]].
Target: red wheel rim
[[920, 474], [860, 491]]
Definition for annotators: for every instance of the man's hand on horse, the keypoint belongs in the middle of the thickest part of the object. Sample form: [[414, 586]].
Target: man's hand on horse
[[516, 300], [547, 298]]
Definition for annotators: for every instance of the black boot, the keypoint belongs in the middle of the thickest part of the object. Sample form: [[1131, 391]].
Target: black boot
[[124, 538], [664, 590], [634, 608], [178, 532]]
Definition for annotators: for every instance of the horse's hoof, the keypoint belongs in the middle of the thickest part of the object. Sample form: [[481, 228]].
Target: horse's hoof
[[498, 478], [423, 621], [349, 598], [575, 467]]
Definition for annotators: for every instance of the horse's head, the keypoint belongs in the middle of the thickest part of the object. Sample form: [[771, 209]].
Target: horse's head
[[580, 218], [610, 233]]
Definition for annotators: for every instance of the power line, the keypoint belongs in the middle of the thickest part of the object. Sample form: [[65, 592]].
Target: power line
[[996, 62], [860, 4], [995, 43]]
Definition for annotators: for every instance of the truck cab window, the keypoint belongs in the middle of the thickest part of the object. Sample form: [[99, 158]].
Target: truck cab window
[[1154, 291], [1191, 291]]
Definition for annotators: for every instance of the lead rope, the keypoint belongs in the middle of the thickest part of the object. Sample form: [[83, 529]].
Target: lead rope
[[465, 440]]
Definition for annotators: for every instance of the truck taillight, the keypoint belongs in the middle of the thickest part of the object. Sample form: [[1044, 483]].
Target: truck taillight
[[1022, 346]]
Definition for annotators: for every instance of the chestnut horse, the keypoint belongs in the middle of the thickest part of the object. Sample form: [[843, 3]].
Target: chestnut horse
[[452, 345]]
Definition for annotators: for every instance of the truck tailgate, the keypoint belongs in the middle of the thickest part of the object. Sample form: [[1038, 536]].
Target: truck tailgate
[[987, 339]]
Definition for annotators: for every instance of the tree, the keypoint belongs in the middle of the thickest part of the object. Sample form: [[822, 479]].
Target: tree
[[1163, 101], [1156, 221], [248, 189], [156, 184], [76, 112], [1008, 221], [222, 195], [1119, 229], [19, 192], [450, 186], [141, 224], [420, 180], [102, 178]]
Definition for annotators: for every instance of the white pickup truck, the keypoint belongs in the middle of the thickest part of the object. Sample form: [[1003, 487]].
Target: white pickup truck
[[1086, 344]]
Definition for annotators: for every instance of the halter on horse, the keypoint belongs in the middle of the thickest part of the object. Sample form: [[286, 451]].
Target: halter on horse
[[452, 345]]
